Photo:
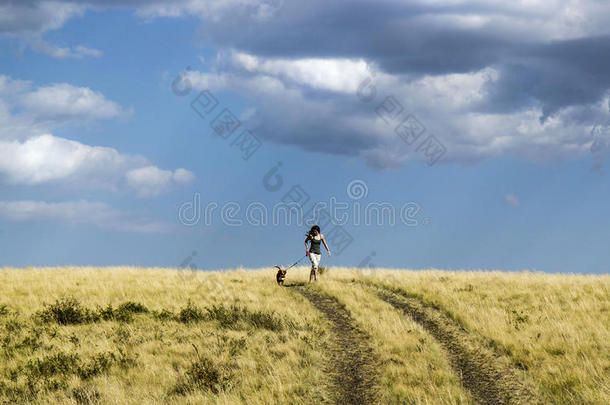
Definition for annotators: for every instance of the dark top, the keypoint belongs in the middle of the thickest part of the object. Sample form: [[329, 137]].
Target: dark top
[[315, 245]]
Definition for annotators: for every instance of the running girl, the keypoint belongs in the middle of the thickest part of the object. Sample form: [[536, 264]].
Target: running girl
[[314, 237]]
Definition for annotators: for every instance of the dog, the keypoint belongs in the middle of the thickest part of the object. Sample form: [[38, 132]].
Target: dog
[[280, 276]]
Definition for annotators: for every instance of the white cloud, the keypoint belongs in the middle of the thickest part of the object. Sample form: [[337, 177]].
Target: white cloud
[[335, 74], [150, 180], [9, 86], [215, 10], [512, 200], [58, 52], [64, 101], [49, 159], [26, 111], [183, 176], [81, 212], [31, 155]]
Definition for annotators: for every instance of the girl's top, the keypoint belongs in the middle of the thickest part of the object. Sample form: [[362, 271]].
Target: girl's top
[[315, 245]]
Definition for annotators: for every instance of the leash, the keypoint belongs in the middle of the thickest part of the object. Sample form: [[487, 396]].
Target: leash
[[293, 264]]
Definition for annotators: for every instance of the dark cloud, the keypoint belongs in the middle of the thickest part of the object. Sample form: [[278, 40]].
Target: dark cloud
[[399, 39], [546, 58]]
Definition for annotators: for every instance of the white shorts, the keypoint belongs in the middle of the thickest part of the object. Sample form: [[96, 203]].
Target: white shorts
[[314, 258]]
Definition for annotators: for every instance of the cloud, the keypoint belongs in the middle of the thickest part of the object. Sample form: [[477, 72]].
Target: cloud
[[26, 111], [30, 155], [82, 212], [29, 20], [318, 113], [57, 52], [512, 200], [334, 74], [486, 78], [36, 17], [49, 159], [63, 101], [150, 180]]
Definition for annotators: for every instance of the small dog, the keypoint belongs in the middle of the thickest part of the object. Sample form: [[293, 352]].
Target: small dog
[[280, 276]]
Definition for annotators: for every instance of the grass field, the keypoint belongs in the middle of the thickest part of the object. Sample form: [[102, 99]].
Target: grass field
[[154, 336]]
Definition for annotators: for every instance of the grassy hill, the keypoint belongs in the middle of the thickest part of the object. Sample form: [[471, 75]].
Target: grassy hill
[[145, 336]]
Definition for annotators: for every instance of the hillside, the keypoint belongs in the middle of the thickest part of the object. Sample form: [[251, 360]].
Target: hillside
[[133, 336]]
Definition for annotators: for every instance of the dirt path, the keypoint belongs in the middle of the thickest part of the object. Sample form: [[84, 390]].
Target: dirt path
[[351, 364], [488, 378]]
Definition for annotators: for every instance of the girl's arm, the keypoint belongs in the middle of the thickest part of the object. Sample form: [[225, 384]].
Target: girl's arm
[[325, 245], [306, 246]]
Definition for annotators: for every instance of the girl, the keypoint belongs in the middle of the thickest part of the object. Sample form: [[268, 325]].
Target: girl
[[313, 251]]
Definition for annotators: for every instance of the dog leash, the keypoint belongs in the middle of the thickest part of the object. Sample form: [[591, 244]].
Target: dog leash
[[293, 264]]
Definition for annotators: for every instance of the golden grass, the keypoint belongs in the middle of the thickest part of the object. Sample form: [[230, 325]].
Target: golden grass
[[554, 329]]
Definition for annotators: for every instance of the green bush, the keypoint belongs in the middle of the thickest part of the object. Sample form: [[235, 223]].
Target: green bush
[[265, 320], [4, 310], [86, 394], [99, 364], [227, 317], [67, 311], [163, 315], [133, 307], [190, 313], [59, 363], [203, 374]]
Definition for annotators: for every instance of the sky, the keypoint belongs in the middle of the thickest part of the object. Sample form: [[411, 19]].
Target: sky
[[212, 134]]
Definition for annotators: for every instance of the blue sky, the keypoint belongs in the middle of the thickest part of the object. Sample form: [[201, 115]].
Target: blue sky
[[98, 152]]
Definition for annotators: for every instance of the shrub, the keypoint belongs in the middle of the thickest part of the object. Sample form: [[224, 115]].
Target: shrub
[[99, 364], [123, 313], [67, 311], [228, 317], [133, 307], [107, 314], [190, 313], [265, 320], [163, 315], [203, 374], [4, 310], [86, 394], [59, 363]]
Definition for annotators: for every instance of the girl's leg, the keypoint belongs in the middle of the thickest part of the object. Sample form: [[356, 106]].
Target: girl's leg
[[315, 261], [313, 266]]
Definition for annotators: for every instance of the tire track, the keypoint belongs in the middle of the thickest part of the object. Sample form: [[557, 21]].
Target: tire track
[[353, 364], [489, 379]]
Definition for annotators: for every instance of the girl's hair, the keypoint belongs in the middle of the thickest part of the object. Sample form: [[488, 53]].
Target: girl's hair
[[313, 228]]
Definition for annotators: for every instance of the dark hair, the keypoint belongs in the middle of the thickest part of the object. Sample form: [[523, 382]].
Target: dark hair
[[313, 228]]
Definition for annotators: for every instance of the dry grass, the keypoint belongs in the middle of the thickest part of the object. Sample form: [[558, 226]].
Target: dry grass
[[554, 328], [235, 337]]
